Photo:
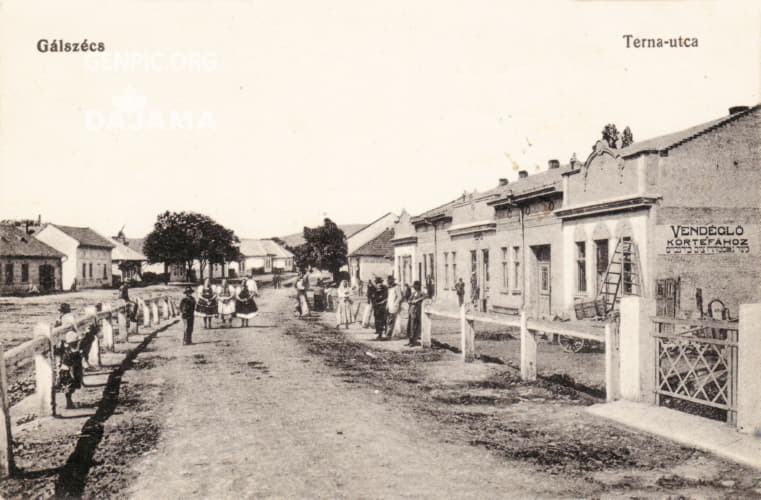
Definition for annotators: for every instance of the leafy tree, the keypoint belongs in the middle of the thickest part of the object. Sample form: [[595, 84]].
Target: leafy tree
[[627, 138], [183, 237], [610, 135], [325, 248]]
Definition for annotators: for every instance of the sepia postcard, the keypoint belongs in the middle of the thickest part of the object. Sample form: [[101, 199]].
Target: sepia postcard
[[401, 249]]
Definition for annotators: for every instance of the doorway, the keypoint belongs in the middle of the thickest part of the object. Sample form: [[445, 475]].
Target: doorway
[[47, 277]]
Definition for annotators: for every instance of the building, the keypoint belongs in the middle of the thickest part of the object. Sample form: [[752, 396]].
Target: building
[[688, 205], [282, 258], [405, 244], [527, 247], [364, 235], [88, 255], [26, 263], [375, 258], [126, 263]]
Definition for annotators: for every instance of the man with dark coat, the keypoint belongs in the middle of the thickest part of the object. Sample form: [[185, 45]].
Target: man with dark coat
[[459, 288], [187, 309], [379, 299]]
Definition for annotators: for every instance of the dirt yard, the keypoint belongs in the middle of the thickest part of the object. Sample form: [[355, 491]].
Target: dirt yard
[[290, 408]]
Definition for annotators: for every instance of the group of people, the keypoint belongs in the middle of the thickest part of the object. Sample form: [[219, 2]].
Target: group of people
[[71, 352], [223, 301], [383, 308]]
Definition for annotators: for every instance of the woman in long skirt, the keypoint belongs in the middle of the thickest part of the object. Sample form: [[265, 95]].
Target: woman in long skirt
[[343, 305], [245, 305], [206, 303], [226, 297]]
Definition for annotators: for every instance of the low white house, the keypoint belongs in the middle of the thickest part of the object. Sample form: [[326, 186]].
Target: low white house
[[363, 236], [88, 255], [263, 256]]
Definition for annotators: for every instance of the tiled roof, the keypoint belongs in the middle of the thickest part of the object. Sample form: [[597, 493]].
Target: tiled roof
[[250, 247], [86, 236], [552, 177], [123, 252], [380, 246], [16, 243], [136, 244], [669, 141]]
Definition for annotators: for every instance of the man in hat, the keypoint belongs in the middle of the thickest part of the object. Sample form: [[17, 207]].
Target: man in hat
[[380, 299], [187, 309], [415, 314], [394, 306]]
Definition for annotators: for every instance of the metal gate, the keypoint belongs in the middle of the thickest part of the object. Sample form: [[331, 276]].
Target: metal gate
[[696, 366]]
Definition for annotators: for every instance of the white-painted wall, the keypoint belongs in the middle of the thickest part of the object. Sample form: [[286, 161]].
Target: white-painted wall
[[65, 244]]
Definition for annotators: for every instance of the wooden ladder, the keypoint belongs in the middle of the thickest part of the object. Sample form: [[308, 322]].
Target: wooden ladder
[[622, 277]]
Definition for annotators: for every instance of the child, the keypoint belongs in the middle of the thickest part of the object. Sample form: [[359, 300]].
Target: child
[[69, 354]]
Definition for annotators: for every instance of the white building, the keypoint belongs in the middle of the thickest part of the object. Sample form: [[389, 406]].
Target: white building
[[363, 236], [88, 255]]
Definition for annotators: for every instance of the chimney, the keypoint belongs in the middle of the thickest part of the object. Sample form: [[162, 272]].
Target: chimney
[[522, 174], [554, 163], [738, 109], [503, 181]]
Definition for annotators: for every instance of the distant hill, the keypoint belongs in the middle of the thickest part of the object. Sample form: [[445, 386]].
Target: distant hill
[[296, 239]]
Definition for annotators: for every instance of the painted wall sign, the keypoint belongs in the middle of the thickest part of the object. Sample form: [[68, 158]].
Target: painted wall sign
[[674, 239]]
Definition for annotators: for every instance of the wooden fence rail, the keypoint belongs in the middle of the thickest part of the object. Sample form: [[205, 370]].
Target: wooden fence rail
[[113, 325], [529, 329]]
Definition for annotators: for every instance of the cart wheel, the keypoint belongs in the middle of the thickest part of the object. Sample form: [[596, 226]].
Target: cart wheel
[[571, 344]]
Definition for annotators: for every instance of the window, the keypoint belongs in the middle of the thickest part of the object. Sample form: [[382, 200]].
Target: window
[[105, 275], [84, 271], [485, 264], [9, 273], [505, 272], [91, 269], [446, 270], [24, 273], [516, 268], [454, 267], [601, 261], [581, 266]]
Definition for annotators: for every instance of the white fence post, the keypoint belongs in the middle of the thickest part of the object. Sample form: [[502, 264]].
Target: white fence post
[[165, 308], [155, 313], [108, 330], [121, 316], [44, 370], [612, 361], [146, 314], [425, 325], [637, 350], [467, 336], [6, 441], [528, 350], [749, 354]]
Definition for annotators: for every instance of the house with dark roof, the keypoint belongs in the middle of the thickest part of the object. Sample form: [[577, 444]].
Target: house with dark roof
[[126, 262], [374, 258], [26, 263], [363, 236], [685, 203], [88, 255]]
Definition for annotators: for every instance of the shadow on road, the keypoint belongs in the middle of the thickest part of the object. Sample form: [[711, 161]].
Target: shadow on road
[[73, 475]]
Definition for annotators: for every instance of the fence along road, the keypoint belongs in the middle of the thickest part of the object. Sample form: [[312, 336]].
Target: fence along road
[[529, 329], [154, 310]]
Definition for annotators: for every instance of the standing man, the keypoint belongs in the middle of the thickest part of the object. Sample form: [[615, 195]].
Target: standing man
[[302, 284], [394, 306], [380, 299], [187, 309], [459, 288]]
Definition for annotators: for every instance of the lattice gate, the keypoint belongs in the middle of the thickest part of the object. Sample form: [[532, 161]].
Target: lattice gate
[[696, 367]]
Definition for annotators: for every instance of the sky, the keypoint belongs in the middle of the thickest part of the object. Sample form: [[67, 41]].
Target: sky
[[269, 116]]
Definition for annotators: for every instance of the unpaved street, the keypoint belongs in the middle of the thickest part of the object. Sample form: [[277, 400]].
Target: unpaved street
[[253, 415]]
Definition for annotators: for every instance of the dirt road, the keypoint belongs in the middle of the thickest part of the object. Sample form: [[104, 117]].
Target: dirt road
[[254, 416]]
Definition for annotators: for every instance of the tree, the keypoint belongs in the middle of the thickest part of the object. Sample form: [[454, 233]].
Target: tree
[[183, 237], [610, 135], [325, 248], [627, 138]]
